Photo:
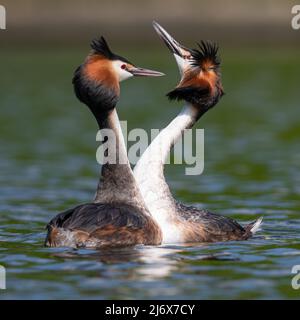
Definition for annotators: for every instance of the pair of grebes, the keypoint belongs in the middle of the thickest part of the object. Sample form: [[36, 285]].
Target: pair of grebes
[[135, 207]]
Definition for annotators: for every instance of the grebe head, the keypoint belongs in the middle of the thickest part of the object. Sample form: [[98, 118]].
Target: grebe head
[[96, 80], [200, 82]]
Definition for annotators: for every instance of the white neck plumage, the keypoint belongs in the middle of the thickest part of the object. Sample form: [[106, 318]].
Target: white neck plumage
[[149, 172]]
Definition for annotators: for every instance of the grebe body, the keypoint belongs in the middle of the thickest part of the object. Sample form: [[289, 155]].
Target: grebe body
[[118, 216], [201, 89]]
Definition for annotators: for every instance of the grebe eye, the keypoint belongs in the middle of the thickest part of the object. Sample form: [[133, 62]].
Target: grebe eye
[[123, 66]]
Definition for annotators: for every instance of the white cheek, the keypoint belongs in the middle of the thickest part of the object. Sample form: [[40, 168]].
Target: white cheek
[[182, 64], [123, 75]]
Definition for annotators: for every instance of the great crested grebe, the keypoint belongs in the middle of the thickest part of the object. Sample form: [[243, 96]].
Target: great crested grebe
[[118, 215], [201, 88]]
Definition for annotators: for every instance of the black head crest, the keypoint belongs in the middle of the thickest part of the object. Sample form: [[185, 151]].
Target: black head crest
[[100, 46], [208, 51]]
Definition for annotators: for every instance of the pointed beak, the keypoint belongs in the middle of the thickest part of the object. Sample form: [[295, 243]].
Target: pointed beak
[[175, 47], [141, 72]]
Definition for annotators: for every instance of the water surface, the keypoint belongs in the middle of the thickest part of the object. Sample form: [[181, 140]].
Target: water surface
[[252, 161]]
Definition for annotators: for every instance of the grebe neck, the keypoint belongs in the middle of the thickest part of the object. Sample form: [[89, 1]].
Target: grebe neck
[[154, 187], [117, 183]]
